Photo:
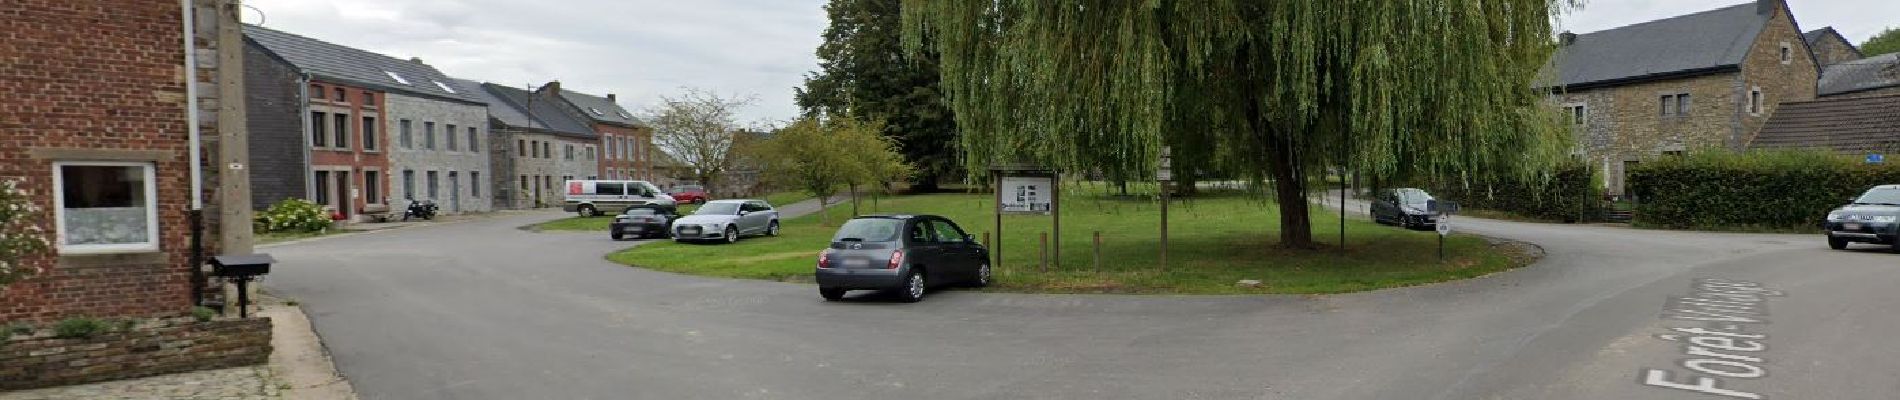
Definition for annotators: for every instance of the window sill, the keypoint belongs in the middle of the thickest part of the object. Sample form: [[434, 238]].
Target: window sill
[[108, 258]]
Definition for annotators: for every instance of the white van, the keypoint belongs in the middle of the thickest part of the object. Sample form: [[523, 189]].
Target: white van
[[594, 197]]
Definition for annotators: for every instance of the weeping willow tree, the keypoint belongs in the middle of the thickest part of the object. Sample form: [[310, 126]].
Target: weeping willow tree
[[1271, 90]]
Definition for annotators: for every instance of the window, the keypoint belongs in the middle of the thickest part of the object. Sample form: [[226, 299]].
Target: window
[[373, 187], [1578, 114], [547, 150], [1754, 101], [475, 183], [319, 137], [569, 150], [524, 182], [105, 207], [322, 196], [341, 96], [474, 143], [398, 78], [609, 142], [1673, 153], [317, 91], [1668, 105], [596, 111], [448, 134], [444, 87], [369, 134], [521, 148], [610, 189], [1682, 105], [433, 185], [947, 232], [342, 131], [534, 149], [1787, 53], [369, 98], [408, 184], [407, 141], [428, 135]]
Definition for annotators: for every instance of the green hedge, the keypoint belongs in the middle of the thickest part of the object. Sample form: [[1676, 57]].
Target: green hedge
[[1568, 193], [1783, 190]]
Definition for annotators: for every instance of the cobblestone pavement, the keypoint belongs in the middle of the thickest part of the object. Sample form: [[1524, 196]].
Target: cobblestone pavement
[[243, 383]]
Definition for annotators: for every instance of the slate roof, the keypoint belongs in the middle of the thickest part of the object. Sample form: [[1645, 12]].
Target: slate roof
[[520, 108], [355, 66], [1869, 73], [599, 109], [1703, 42], [1856, 126]]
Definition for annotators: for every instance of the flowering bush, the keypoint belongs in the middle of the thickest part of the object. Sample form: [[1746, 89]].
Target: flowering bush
[[20, 233], [294, 215]]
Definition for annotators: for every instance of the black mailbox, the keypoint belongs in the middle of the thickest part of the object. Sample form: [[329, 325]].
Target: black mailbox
[[241, 266], [241, 270]]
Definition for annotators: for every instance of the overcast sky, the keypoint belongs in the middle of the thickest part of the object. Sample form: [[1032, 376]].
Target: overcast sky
[[641, 49]]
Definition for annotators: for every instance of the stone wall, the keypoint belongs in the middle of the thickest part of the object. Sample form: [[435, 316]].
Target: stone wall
[[154, 347], [466, 162], [516, 158], [1626, 123], [1779, 81], [1832, 49]]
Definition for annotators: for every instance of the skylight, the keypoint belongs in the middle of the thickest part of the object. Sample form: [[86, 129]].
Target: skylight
[[398, 78], [596, 111], [444, 87], [623, 114]]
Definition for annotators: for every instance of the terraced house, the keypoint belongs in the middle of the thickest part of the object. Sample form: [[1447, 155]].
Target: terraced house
[[1706, 80], [536, 145], [360, 132], [625, 142]]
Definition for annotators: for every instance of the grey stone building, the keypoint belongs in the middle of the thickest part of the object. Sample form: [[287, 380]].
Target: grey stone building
[[1706, 80], [439, 148], [1830, 47], [534, 146]]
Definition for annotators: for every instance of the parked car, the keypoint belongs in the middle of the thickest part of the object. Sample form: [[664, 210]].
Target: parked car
[[595, 197], [689, 194], [643, 222], [727, 220], [1874, 217], [1405, 207], [906, 254]]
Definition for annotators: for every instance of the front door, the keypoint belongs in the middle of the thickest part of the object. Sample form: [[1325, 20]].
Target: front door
[[455, 192]]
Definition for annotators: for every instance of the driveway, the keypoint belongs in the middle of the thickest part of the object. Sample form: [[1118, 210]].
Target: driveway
[[482, 310]]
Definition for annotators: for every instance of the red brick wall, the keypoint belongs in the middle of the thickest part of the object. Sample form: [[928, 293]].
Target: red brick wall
[[93, 76], [623, 162], [356, 157]]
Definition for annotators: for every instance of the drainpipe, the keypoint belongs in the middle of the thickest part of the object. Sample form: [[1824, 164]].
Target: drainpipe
[[196, 214]]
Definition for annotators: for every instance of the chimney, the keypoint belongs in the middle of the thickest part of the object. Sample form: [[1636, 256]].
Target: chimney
[[1766, 7], [552, 87], [610, 97], [1566, 38], [417, 60]]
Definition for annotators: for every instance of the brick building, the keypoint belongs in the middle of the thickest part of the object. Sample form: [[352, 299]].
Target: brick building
[[357, 131], [536, 145], [1697, 81], [625, 142], [96, 121]]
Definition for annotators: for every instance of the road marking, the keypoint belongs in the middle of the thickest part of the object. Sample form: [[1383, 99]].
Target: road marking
[[1723, 348]]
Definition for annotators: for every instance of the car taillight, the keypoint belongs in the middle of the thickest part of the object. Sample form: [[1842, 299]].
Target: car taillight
[[897, 258], [824, 260]]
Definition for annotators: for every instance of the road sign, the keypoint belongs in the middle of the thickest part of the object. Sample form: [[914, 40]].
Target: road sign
[[1164, 175], [1444, 225], [1876, 158]]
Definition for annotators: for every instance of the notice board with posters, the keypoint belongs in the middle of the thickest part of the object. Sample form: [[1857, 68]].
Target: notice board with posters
[[1027, 194]]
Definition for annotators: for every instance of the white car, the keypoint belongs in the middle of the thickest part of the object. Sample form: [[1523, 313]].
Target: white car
[[727, 220], [595, 197]]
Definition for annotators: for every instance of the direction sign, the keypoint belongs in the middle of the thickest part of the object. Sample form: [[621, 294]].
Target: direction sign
[[1876, 158], [1444, 225]]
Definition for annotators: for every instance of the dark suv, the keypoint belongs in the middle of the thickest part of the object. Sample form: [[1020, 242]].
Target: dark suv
[[905, 254], [1872, 218]]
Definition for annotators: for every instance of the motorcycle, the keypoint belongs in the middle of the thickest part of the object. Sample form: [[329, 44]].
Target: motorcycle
[[424, 209]]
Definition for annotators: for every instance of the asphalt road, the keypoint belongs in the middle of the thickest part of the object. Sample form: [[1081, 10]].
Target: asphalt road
[[482, 310]]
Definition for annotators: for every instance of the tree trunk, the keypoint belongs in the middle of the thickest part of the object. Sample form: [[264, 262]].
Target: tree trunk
[[925, 183], [824, 218], [854, 200], [1289, 184]]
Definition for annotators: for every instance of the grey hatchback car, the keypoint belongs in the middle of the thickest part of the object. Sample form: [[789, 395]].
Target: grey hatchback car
[[905, 254]]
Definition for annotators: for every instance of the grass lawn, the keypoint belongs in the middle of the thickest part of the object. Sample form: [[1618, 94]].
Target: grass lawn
[[1214, 242], [600, 223]]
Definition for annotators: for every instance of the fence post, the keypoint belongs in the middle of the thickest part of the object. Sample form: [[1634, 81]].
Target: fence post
[[1098, 252], [1045, 253]]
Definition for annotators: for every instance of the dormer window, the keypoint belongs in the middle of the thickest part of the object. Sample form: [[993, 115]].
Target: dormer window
[[398, 78]]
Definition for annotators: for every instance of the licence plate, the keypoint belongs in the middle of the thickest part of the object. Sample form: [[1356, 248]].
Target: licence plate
[[849, 263], [1850, 226], [693, 231]]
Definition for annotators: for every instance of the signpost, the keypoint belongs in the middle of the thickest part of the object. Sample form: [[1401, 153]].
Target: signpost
[[1025, 189], [1164, 174], [1444, 210], [1876, 158]]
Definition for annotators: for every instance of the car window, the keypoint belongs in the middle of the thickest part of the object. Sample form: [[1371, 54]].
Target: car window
[[869, 230], [947, 232], [1880, 196], [642, 211], [718, 209], [919, 232], [610, 189], [762, 206]]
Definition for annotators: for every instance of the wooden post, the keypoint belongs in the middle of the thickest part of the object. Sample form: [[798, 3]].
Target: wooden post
[[1098, 252], [1045, 253], [998, 250], [1164, 226], [1055, 211]]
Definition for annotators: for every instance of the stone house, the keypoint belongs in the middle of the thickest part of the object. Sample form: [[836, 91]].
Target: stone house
[[97, 128], [378, 129], [625, 142], [1851, 125], [534, 145], [1700, 81], [1876, 76], [1830, 47]]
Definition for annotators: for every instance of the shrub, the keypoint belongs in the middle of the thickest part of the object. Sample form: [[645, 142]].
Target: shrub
[[1567, 193], [293, 215], [202, 314], [20, 232], [74, 328], [1758, 190], [19, 328]]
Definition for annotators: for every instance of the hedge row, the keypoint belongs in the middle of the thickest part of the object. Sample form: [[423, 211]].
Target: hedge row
[[1569, 193], [1757, 190]]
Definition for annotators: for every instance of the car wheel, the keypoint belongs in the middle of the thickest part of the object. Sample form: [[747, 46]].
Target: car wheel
[[1836, 243], [772, 230], [914, 285], [616, 235], [983, 276], [1894, 245], [701, 200], [587, 211], [831, 294], [732, 235]]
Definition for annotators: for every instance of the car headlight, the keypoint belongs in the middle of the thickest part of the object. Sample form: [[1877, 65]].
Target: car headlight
[[1833, 216], [1883, 218]]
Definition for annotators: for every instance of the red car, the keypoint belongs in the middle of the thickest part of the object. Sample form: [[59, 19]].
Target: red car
[[689, 194]]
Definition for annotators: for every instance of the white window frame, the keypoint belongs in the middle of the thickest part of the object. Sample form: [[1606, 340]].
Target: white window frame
[[151, 210], [1757, 102], [1787, 53]]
